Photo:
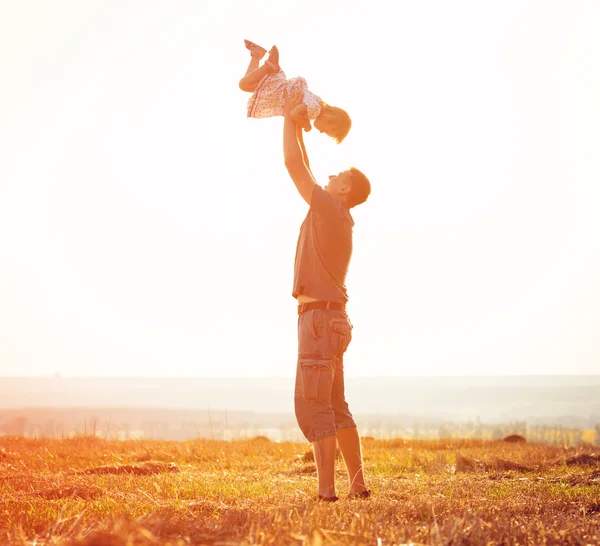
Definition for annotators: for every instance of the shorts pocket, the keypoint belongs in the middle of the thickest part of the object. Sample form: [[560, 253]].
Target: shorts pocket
[[341, 325], [343, 330], [317, 378]]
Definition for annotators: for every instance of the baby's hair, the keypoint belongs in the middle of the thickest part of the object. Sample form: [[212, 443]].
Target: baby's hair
[[340, 119]]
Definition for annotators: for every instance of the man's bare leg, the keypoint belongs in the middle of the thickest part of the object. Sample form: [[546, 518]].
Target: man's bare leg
[[349, 443], [324, 450], [255, 73]]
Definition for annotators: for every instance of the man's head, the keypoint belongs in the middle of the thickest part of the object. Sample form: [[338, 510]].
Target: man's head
[[333, 121], [351, 187]]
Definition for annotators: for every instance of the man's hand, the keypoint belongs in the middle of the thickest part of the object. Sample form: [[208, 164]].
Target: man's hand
[[299, 115], [291, 100]]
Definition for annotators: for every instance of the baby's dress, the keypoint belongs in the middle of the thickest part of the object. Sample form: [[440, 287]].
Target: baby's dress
[[267, 100]]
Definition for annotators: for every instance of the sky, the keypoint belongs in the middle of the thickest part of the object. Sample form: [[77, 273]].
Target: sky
[[148, 227]]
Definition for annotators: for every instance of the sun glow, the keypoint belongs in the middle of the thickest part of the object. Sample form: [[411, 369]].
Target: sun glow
[[147, 227]]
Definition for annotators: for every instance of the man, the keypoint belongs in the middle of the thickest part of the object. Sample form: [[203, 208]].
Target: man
[[324, 331]]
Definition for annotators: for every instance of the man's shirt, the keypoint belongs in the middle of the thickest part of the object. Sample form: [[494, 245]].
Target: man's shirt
[[324, 249]]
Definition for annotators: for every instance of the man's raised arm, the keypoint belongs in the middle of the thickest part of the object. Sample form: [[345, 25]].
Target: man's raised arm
[[294, 153], [302, 147]]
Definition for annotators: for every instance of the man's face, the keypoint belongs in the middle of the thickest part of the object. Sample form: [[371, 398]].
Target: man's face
[[339, 184]]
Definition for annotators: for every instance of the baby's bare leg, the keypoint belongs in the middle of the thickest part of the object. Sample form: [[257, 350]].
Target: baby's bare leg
[[252, 66], [248, 82], [255, 73]]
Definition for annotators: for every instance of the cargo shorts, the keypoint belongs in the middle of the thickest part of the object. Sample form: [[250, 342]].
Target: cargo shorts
[[319, 398]]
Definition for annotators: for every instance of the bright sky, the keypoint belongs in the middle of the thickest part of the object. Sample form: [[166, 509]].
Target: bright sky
[[147, 227]]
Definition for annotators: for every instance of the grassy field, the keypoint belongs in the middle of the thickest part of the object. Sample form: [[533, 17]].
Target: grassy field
[[471, 492]]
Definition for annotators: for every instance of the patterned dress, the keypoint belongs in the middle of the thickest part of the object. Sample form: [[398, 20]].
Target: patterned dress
[[267, 100]]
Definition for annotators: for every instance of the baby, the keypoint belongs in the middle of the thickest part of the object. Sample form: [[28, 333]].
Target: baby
[[268, 83]]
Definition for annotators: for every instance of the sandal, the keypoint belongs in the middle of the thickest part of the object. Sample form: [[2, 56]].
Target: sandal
[[362, 495], [327, 499], [255, 50]]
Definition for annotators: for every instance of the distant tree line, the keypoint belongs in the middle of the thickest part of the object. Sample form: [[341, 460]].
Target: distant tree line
[[287, 429]]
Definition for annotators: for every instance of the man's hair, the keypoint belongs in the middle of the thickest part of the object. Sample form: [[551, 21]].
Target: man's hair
[[360, 188], [340, 120]]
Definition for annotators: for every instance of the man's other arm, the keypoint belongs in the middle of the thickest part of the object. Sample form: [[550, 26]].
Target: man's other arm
[[294, 154], [300, 138]]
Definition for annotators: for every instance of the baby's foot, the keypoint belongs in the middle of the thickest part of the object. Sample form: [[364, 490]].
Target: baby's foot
[[273, 60], [255, 50]]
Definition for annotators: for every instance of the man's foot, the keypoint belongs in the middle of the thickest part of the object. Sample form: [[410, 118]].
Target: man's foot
[[362, 495], [273, 60], [255, 50], [321, 498]]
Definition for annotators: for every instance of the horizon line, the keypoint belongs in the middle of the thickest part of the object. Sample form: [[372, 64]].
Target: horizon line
[[59, 375]]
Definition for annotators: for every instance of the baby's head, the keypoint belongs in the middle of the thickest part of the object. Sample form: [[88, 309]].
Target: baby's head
[[333, 121]]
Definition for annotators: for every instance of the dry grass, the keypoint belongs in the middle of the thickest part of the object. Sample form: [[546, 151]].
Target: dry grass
[[451, 492]]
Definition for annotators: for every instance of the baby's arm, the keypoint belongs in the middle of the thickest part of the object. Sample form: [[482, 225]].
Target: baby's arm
[[300, 116]]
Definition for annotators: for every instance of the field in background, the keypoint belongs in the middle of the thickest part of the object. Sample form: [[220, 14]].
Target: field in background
[[459, 492], [118, 423], [569, 401]]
